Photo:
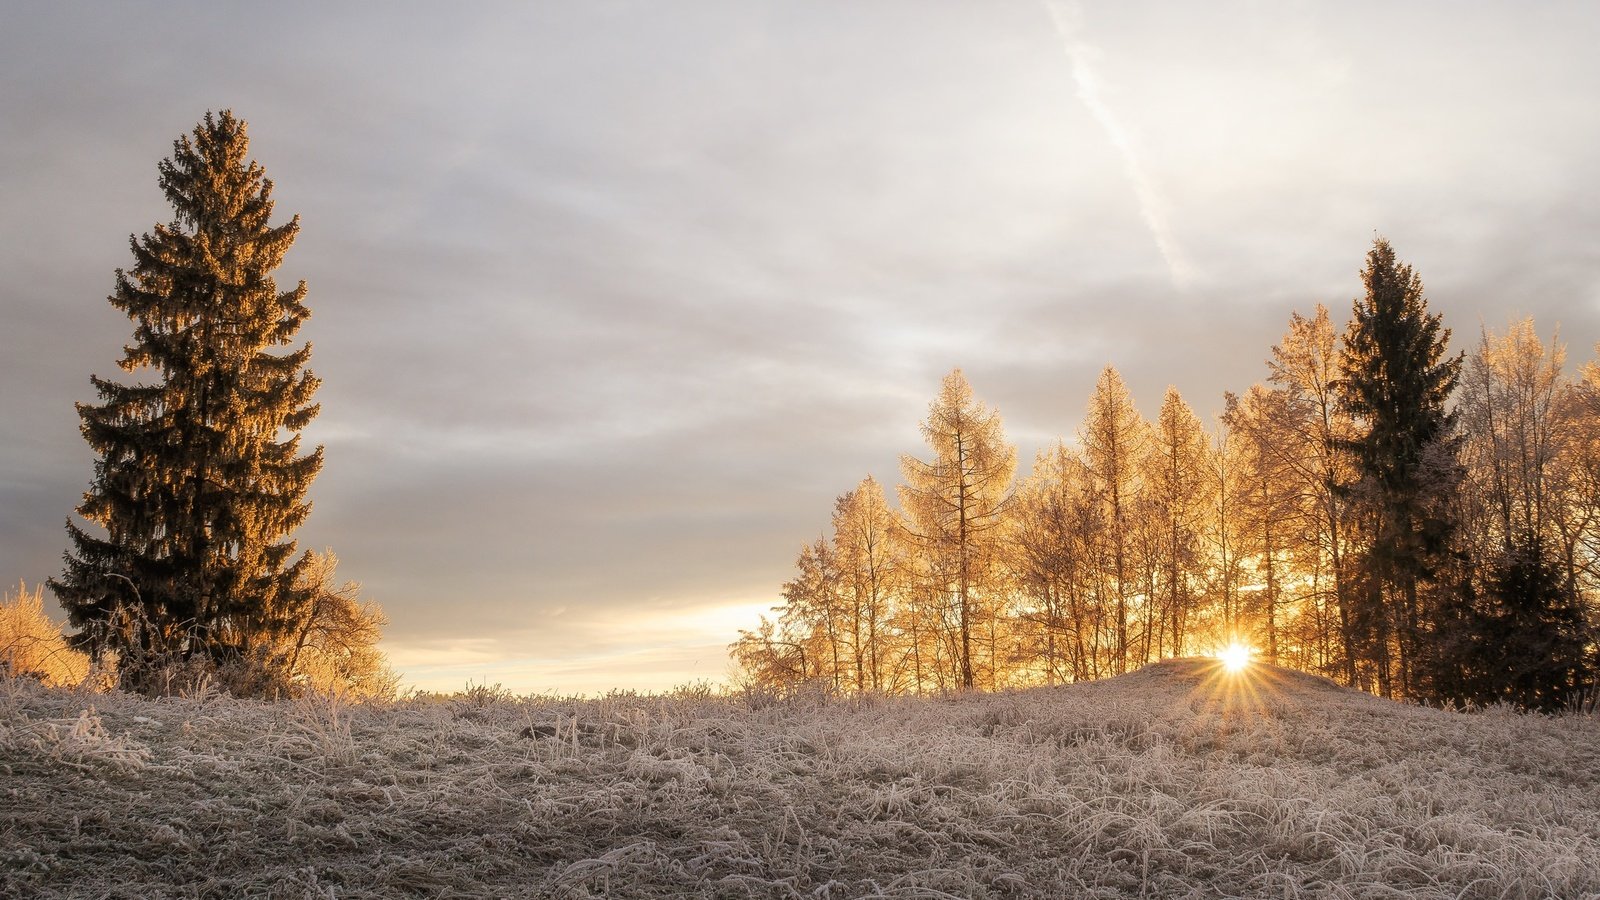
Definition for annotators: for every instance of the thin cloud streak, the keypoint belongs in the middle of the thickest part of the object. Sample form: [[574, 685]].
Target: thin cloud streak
[[1153, 207]]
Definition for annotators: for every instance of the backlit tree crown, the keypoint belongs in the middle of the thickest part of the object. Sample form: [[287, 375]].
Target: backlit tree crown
[[200, 478]]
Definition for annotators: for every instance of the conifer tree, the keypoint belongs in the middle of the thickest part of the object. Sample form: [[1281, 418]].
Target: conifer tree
[[1115, 440], [1305, 366], [866, 540], [1270, 517], [813, 612], [953, 505], [1531, 643], [1176, 483], [1226, 489], [1396, 381], [200, 479], [1055, 534]]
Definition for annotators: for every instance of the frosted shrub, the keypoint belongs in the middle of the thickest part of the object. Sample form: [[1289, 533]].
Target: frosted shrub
[[83, 743]]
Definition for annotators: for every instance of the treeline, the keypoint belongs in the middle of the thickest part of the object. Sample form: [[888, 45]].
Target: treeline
[[1409, 522]]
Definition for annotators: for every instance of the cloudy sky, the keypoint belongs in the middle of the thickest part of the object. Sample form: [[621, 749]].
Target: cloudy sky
[[611, 299]]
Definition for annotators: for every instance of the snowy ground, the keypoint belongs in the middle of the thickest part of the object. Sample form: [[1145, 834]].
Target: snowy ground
[[1176, 781]]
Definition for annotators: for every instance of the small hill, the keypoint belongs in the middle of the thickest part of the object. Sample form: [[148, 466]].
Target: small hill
[[1178, 780]]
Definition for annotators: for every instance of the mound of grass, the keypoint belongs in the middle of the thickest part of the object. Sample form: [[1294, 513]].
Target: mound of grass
[[1175, 781]]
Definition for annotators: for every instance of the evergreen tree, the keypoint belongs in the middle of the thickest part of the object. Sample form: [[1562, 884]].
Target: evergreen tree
[[1396, 381], [1534, 638], [200, 478]]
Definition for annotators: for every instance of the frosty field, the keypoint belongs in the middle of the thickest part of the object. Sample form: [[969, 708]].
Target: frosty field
[[1175, 781]]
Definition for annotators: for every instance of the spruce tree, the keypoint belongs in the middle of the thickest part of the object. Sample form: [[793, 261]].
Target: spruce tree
[[200, 479], [1396, 380], [1534, 639]]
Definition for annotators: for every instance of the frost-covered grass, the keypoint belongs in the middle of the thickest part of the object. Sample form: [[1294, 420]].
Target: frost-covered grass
[[1175, 781]]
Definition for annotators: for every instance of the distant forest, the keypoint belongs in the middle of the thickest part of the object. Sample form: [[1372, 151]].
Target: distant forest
[[1413, 523]]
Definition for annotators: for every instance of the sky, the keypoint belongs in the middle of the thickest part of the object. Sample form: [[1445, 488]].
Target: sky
[[611, 299]]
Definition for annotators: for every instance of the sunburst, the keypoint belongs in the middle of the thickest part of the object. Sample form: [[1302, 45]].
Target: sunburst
[[1235, 657]]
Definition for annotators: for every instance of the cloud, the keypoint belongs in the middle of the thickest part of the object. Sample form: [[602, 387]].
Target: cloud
[[650, 651], [1153, 206]]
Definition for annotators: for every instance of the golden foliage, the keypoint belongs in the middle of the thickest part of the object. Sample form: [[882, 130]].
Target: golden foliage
[[31, 645], [333, 649]]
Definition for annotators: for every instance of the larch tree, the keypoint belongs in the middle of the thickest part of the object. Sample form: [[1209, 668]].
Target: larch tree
[[814, 615], [866, 536], [1396, 381], [1175, 482], [1115, 440], [1226, 488], [1270, 516], [954, 504], [768, 659], [200, 479], [1305, 366], [1053, 538]]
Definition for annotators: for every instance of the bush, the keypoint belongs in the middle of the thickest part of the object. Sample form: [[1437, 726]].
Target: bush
[[32, 646], [333, 647]]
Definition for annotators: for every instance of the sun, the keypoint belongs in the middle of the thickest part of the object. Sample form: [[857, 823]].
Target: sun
[[1235, 657]]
